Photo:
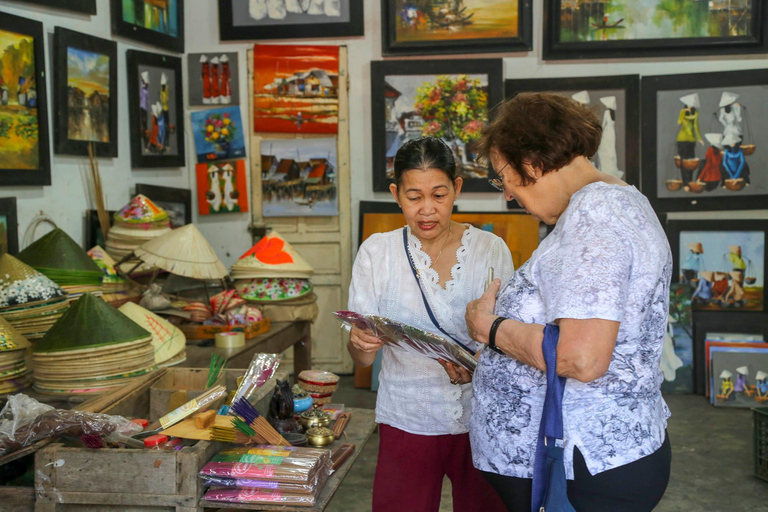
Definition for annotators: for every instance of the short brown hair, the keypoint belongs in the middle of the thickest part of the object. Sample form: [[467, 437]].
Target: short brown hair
[[544, 130]]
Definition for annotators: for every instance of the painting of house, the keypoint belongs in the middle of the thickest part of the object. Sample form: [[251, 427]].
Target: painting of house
[[268, 165], [287, 170]]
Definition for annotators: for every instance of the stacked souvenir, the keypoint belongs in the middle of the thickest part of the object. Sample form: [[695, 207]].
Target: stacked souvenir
[[319, 384], [272, 271], [138, 222], [92, 349], [14, 374], [168, 341], [184, 252], [59, 258], [280, 475], [225, 309], [112, 284], [29, 301]]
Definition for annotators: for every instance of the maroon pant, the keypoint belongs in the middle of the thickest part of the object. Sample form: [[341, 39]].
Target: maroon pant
[[410, 471]]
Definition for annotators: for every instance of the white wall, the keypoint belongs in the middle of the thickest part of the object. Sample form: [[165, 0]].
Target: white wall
[[67, 197]]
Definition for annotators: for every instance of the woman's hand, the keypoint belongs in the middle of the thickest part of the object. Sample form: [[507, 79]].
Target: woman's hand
[[457, 374], [365, 340], [479, 316]]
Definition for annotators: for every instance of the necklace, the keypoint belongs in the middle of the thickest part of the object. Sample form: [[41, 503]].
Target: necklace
[[450, 226]]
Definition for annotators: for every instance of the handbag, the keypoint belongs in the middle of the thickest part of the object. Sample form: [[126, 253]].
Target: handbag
[[424, 297], [550, 491]]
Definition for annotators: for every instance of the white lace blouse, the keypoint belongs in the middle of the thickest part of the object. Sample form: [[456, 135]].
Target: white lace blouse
[[415, 393]]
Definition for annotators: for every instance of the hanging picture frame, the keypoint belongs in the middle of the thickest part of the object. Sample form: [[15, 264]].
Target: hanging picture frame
[[83, 6], [620, 145], [244, 20], [9, 226], [93, 234], [156, 109], [213, 79], [597, 30], [157, 23], [85, 83], [474, 26], [176, 201], [24, 149], [398, 114], [702, 136], [723, 260]]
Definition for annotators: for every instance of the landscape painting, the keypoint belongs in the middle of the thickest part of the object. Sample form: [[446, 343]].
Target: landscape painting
[[88, 92], [298, 177], [221, 187], [677, 351], [158, 15], [296, 89], [218, 134]]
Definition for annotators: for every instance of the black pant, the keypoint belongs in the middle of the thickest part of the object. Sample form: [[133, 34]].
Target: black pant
[[634, 487]]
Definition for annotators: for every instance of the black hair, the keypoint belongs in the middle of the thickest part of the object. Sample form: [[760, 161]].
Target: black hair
[[422, 154]]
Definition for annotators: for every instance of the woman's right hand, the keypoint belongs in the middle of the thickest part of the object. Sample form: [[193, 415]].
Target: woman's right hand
[[365, 340]]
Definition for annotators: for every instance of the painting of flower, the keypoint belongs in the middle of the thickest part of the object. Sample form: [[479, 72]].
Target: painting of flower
[[218, 134]]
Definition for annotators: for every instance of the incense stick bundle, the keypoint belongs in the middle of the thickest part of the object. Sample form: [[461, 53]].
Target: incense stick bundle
[[98, 193], [341, 424], [258, 423], [203, 401], [230, 435]]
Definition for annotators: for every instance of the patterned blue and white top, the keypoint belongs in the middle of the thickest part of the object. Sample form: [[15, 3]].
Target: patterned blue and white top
[[607, 258]]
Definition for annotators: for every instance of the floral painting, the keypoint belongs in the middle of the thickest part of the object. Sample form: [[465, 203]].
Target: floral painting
[[221, 187], [218, 134]]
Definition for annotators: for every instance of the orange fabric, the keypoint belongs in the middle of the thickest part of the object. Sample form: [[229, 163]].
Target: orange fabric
[[269, 251]]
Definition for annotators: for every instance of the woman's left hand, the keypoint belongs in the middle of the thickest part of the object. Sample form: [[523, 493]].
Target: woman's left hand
[[480, 316], [456, 373]]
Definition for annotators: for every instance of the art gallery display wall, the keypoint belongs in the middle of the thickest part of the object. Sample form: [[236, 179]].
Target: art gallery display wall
[[67, 197]]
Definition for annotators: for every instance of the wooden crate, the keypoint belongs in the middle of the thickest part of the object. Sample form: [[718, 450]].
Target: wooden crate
[[133, 480]]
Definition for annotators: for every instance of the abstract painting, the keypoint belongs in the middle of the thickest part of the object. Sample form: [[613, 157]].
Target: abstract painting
[[156, 106], [677, 351], [9, 226], [176, 201], [704, 140], [221, 187], [298, 177], [289, 19], [213, 79], [156, 22], [218, 134], [295, 89], [83, 6], [417, 27], [723, 260], [446, 99], [24, 153], [634, 28], [85, 80]]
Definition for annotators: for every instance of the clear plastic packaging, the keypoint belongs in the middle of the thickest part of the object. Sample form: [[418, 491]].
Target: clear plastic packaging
[[261, 369], [259, 496], [292, 465], [202, 402], [264, 485]]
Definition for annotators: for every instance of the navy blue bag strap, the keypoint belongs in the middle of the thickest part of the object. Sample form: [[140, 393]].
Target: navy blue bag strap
[[424, 297]]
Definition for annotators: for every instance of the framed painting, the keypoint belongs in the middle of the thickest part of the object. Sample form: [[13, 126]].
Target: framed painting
[[467, 26], [83, 6], [289, 19], [298, 177], [577, 29], [213, 79], [218, 134], [24, 150], [9, 226], [221, 187], [677, 355], [176, 201], [736, 373], [156, 109], [724, 260], [93, 234], [85, 84], [449, 99], [703, 134], [154, 22], [295, 89]]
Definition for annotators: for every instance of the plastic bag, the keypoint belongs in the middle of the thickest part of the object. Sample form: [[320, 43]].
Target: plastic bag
[[261, 369], [18, 427]]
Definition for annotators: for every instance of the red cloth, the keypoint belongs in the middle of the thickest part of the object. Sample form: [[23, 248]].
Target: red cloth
[[711, 170], [410, 471], [226, 81], [214, 80], [206, 72], [154, 133]]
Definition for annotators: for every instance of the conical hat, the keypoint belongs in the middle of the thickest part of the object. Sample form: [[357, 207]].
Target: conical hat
[[761, 375], [609, 102], [272, 256], [185, 252], [140, 210], [731, 139], [691, 100], [725, 374], [21, 284], [728, 98], [696, 247], [58, 256], [10, 338], [715, 139], [167, 339], [106, 264], [582, 97], [90, 322], [743, 370]]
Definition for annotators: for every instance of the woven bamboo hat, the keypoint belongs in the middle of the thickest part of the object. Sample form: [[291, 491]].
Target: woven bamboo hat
[[61, 259], [10, 338], [141, 210], [272, 256], [185, 252], [167, 339], [21, 284]]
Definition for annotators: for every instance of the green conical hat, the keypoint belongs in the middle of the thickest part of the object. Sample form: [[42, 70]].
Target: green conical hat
[[59, 257], [90, 322]]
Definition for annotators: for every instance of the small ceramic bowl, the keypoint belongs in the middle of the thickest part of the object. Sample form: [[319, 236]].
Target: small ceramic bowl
[[320, 436], [314, 418], [302, 403]]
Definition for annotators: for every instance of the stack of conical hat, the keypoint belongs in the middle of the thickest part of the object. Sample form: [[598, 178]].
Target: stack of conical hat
[[168, 341], [59, 258], [92, 349], [137, 222], [112, 282], [29, 301], [184, 252], [14, 351], [272, 271]]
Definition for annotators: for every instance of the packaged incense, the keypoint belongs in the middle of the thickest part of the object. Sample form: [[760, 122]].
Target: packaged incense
[[259, 496], [292, 474], [245, 483]]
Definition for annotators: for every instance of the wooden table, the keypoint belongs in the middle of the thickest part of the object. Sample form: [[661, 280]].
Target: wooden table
[[280, 337], [359, 430]]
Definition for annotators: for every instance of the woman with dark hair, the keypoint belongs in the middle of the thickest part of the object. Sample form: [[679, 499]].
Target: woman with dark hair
[[603, 276], [423, 415]]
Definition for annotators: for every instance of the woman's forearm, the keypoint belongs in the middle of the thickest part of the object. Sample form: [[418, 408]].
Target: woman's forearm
[[522, 341]]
